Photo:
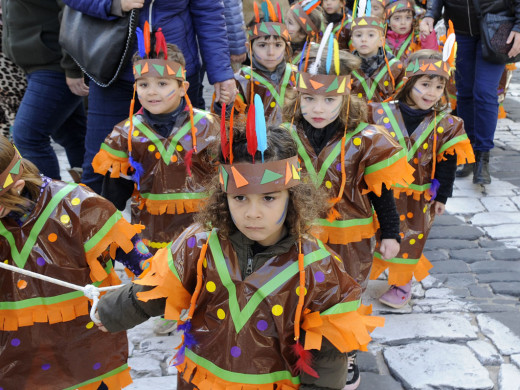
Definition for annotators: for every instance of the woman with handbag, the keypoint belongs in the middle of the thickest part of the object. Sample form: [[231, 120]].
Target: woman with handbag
[[477, 74]]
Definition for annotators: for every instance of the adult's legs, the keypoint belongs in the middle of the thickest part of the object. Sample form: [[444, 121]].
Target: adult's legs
[[71, 135], [46, 106], [195, 89]]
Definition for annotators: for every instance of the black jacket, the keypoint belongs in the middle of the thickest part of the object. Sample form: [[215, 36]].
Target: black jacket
[[463, 15]]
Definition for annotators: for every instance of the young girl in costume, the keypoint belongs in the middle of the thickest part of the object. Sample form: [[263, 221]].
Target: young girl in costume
[[304, 21], [160, 154], [354, 162], [435, 142], [67, 232], [248, 282], [402, 36], [380, 74]]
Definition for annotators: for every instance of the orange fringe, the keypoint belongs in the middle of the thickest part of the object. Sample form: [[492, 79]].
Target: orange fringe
[[399, 172], [413, 193], [11, 320], [103, 161], [114, 382], [464, 152], [166, 284], [337, 235], [400, 274], [175, 206], [206, 380], [346, 331], [121, 234]]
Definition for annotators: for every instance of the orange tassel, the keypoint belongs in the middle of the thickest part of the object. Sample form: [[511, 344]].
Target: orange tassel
[[195, 296], [193, 128], [131, 120]]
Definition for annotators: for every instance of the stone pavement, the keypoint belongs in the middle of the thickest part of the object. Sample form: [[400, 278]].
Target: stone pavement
[[462, 328]]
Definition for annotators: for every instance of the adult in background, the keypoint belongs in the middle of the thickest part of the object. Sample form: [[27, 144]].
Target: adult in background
[[52, 105], [476, 79], [186, 23]]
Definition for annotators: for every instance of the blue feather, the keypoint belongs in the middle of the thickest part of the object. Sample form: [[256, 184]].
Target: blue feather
[[261, 129], [369, 9], [330, 51], [140, 42], [434, 188], [302, 57], [265, 10], [189, 341], [309, 5], [138, 171]]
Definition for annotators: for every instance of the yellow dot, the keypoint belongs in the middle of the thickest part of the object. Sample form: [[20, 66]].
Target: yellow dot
[[6, 261], [298, 291], [386, 83], [52, 237], [151, 148], [357, 141], [210, 286], [272, 104], [75, 201], [135, 133], [420, 236], [21, 284], [337, 258], [247, 76], [360, 95], [328, 184], [277, 310], [425, 208], [425, 146], [440, 129], [179, 148], [174, 158], [205, 263], [90, 325], [386, 120], [392, 133], [412, 241], [221, 314], [127, 123], [65, 218]]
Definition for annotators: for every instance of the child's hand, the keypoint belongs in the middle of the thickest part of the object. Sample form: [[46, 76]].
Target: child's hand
[[426, 27], [100, 325], [127, 5], [438, 207], [389, 248]]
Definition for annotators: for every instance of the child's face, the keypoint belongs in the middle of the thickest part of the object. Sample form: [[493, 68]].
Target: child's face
[[295, 30], [159, 95], [320, 110], [260, 217], [366, 41], [332, 6], [269, 51], [427, 92], [377, 9], [401, 22]]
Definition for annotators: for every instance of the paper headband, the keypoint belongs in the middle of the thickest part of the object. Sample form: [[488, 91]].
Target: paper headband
[[301, 12], [368, 22], [323, 84], [396, 6], [12, 173], [259, 178], [428, 67], [159, 68], [272, 23]]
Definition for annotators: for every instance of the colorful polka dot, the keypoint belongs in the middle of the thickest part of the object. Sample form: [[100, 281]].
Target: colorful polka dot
[[40, 261], [210, 286], [174, 158], [388, 125], [15, 342], [450, 120], [409, 215], [405, 255], [380, 111], [221, 314], [319, 277], [89, 325], [144, 264], [338, 167], [385, 83], [440, 129], [425, 146], [52, 237], [261, 325], [157, 155], [401, 235], [75, 201], [143, 139], [96, 366], [191, 242], [203, 121], [298, 291], [419, 154], [273, 104], [187, 138], [141, 248], [267, 93], [392, 133], [247, 76], [420, 236], [21, 284], [236, 351], [416, 160], [402, 217], [277, 310], [360, 95], [135, 133], [425, 208], [6, 261], [205, 263], [179, 148], [337, 258], [127, 123], [65, 219], [328, 184], [412, 241], [151, 148], [46, 366], [386, 120], [357, 141]]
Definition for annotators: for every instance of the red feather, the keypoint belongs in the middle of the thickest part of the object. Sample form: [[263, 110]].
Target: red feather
[[280, 19], [146, 33], [224, 144], [252, 143], [231, 135], [303, 364], [160, 43], [188, 162]]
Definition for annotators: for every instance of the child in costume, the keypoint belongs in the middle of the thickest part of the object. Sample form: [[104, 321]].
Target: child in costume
[[67, 232], [247, 281], [356, 163], [380, 74], [161, 151], [304, 22], [435, 142], [402, 36]]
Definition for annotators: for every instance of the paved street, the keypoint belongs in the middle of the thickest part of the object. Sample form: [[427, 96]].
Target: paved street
[[462, 327]]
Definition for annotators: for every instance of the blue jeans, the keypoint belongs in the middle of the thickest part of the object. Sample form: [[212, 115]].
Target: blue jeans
[[49, 109], [477, 84]]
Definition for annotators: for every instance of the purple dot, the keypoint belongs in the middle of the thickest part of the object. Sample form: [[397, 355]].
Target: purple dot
[[319, 276], [450, 120], [419, 154], [203, 121], [15, 342], [143, 139], [235, 351], [191, 242], [338, 167], [267, 93], [388, 125], [40, 261], [261, 325], [46, 366], [187, 137], [96, 366]]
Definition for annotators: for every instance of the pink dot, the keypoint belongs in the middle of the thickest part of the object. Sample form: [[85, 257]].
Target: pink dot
[[46, 366], [96, 366], [191, 242], [15, 342], [40, 261], [261, 325], [235, 351], [319, 276]]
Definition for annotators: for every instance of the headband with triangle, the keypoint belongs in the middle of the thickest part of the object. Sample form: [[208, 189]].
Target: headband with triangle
[[271, 23], [394, 6], [428, 67], [301, 11], [12, 173]]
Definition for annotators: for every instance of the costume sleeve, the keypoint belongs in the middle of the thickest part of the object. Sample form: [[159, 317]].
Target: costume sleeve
[[113, 154], [430, 42], [134, 259], [117, 190], [452, 139], [445, 174]]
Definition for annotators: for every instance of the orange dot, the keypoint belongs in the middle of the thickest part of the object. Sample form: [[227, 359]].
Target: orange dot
[[174, 158], [21, 284], [399, 66], [380, 111], [405, 255], [416, 160], [402, 217], [52, 237], [402, 235], [409, 215], [157, 155]]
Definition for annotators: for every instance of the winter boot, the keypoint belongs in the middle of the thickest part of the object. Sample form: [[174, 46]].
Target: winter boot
[[481, 168]]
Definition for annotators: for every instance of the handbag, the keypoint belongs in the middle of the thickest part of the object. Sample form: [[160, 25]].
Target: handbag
[[100, 47], [494, 31]]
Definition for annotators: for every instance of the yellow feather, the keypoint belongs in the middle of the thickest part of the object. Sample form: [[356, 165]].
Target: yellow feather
[[336, 56]]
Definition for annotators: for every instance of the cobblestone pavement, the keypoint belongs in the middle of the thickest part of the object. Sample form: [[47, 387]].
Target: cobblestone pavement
[[462, 328]]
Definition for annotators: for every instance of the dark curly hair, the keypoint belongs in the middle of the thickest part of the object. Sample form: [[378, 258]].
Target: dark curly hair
[[305, 201]]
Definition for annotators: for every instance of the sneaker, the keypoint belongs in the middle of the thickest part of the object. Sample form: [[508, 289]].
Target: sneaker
[[397, 296], [162, 327], [353, 378]]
